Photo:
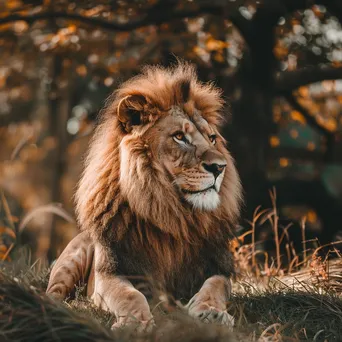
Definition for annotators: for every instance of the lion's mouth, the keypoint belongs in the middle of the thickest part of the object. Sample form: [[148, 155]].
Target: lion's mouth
[[193, 192]]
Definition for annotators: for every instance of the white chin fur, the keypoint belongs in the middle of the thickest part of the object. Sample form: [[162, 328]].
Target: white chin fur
[[208, 200]]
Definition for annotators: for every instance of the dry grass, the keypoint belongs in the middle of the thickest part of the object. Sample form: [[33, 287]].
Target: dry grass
[[306, 306], [26, 314], [290, 297]]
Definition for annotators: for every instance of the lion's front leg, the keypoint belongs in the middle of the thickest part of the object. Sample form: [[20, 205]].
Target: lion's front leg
[[209, 304], [72, 267], [117, 295]]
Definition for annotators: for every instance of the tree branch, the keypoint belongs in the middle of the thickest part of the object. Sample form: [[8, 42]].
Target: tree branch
[[153, 17], [312, 121], [291, 80], [309, 118]]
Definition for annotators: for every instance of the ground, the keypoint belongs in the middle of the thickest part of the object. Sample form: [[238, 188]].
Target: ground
[[306, 305]]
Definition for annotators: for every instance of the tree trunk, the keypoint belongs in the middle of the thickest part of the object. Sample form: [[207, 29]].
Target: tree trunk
[[59, 108]]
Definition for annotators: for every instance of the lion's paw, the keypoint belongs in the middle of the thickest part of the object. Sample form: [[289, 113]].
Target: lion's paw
[[56, 295], [209, 313], [138, 326]]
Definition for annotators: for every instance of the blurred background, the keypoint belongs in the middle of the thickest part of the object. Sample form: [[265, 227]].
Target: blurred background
[[279, 63]]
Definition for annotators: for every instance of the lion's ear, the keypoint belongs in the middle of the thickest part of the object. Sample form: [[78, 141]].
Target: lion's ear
[[131, 111]]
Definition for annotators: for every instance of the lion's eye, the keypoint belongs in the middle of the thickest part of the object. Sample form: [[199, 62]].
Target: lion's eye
[[212, 138], [180, 137]]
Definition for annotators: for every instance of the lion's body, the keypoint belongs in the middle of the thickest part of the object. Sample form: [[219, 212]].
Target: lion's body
[[181, 280], [140, 202]]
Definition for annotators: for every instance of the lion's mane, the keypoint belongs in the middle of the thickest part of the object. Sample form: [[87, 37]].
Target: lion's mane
[[155, 211]]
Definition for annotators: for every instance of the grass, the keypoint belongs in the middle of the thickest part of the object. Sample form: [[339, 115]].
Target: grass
[[288, 297], [304, 306]]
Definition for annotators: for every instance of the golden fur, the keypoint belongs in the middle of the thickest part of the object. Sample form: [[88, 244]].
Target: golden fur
[[99, 195], [128, 205]]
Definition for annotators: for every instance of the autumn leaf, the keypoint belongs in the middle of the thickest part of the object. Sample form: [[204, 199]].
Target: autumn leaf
[[274, 141], [297, 116]]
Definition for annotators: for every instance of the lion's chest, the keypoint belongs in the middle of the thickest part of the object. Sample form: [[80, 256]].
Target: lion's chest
[[179, 272]]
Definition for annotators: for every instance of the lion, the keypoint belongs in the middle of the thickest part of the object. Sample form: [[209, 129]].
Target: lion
[[159, 197]]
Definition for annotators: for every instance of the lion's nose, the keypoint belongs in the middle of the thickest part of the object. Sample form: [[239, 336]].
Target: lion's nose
[[215, 169]]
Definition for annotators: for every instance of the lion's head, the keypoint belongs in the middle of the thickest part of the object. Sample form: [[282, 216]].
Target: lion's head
[[158, 152]]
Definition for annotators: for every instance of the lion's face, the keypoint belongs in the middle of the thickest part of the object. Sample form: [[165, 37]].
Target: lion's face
[[189, 149], [186, 148], [171, 129]]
